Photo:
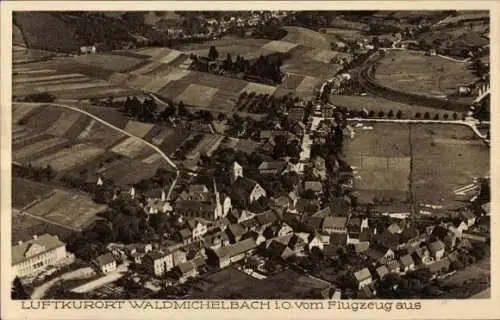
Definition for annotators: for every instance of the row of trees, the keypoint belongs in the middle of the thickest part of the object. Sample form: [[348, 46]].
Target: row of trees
[[399, 115]]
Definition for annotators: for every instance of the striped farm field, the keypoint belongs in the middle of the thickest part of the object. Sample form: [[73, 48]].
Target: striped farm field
[[138, 129], [68, 158], [197, 95], [259, 88], [66, 120], [28, 138], [34, 150], [130, 147], [41, 118], [99, 134], [19, 111], [34, 78], [77, 127], [153, 158], [114, 117], [123, 174], [159, 82], [20, 133], [174, 141]]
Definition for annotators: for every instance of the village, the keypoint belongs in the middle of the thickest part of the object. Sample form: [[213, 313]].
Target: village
[[292, 196]]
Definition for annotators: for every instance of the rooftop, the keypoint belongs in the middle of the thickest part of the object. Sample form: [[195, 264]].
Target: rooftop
[[35, 246]]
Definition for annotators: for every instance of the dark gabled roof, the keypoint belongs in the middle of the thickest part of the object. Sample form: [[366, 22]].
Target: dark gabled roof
[[236, 229], [340, 207], [249, 223], [244, 184], [105, 259], [393, 265], [386, 240], [439, 265], [354, 222], [467, 214], [374, 254], [157, 254], [406, 260], [193, 223], [313, 222], [338, 238], [186, 267], [235, 249], [267, 217], [185, 233], [194, 205]]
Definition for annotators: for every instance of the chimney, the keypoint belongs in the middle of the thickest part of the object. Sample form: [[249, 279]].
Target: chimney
[[35, 236]]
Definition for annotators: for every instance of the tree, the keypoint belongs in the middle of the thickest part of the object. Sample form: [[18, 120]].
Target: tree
[[436, 117], [390, 114], [17, 291], [213, 54], [427, 115], [381, 114], [371, 114], [418, 115], [455, 116], [445, 117], [399, 114]]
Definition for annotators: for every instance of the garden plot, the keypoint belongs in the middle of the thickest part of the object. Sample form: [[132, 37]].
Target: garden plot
[[72, 210], [68, 158], [38, 148], [138, 129], [19, 111], [259, 88], [279, 46], [131, 147], [67, 119], [197, 95]]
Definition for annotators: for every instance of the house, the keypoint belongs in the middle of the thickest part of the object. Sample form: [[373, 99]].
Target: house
[[386, 240], [39, 252], [441, 266], [225, 256], [235, 172], [363, 278], [296, 114], [234, 232], [156, 194], [198, 192], [138, 251], [272, 167], [266, 219], [277, 249], [196, 209], [436, 249], [457, 227], [367, 292], [335, 225], [381, 272], [186, 270], [393, 266], [312, 224], [158, 262], [179, 256], [197, 227], [486, 208], [216, 240], [106, 263], [314, 186], [87, 49], [341, 207], [475, 237], [250, 189], [395, 228], [468, 217], [315, 240], [184, 236], [422, 255], [379, 254], [258, 238], [283, 230], [407, 263]]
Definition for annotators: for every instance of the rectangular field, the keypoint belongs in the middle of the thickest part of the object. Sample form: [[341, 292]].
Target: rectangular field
[[68, 158], [197, 95], [19, 111], [39, 148], [75, 211], [67, 119], [25, 192], [138, 129], [131, 147]]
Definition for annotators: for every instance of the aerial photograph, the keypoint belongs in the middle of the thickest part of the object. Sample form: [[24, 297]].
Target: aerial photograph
[[250, 155]]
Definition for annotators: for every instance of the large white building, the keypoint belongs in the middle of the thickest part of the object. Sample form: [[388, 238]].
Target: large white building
[[32, 256]]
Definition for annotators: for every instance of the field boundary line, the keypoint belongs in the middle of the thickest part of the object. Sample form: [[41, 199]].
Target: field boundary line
[[169, 161]]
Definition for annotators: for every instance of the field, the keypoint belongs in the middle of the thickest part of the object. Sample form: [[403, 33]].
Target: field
[[68, 158], [25, 192], [67, 209], [248, 48], [462, 18], [232, 283], [378, 104], [417, 73], [23, 227], [306, 37], [383, 166]]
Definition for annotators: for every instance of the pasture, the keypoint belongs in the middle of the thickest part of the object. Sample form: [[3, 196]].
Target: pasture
[[385, 158], [25, 192], [306, 37], [416, 73], [75, 211], [197, 95]]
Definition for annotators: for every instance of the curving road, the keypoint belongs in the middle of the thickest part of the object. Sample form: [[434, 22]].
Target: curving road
[[169, 161]]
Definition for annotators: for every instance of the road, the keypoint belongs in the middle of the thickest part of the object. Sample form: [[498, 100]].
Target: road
[[40, 291], [164, 156]]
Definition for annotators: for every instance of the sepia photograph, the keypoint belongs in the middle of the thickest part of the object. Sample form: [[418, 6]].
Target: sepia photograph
[[232, 155]]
